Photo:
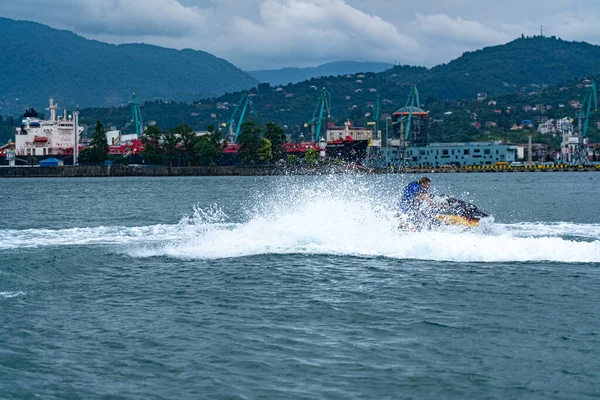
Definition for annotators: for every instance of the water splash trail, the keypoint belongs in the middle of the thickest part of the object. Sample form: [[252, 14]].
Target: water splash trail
[[339, 218]]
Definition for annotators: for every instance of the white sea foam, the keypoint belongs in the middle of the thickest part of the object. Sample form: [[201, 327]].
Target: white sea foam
[[8, 295], [338, 218], [350, 230]]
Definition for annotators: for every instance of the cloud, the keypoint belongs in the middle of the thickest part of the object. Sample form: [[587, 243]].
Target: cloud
[[255, 34], [586, 28], [168, 18], [304, 30], [459, 30], [141, 17]]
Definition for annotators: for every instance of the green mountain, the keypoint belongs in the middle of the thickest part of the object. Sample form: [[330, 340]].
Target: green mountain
[[284, 76], [524, 64], [38, 62]]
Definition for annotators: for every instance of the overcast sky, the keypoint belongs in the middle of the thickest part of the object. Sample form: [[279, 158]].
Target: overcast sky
[[257, 34]]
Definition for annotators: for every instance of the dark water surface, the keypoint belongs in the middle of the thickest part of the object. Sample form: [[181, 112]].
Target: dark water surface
[[297, 287]]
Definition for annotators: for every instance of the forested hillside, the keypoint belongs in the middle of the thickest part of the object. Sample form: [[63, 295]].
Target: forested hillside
[[284, 76], [524, 65], [38, 62], [451, 121]]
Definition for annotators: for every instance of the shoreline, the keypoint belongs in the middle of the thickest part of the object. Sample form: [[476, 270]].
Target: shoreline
[[123, 171]]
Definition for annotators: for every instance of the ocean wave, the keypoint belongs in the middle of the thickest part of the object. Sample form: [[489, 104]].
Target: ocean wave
[[8, 295]]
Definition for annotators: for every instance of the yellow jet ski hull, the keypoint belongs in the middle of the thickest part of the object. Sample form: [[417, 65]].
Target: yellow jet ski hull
[[449, 219]]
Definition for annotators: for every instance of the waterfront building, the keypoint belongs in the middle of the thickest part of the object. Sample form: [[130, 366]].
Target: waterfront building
[[462, 154]]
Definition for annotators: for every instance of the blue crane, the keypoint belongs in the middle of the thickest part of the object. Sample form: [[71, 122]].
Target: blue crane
[[591, 94], [591, 97], [317, 121], [236, 124], [405, 115], [411, 103], [376, 116], [136, 116]]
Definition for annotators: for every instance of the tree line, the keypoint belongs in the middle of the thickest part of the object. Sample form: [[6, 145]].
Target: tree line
[[180, 146]]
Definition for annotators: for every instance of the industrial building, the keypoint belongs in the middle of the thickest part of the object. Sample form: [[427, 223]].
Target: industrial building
[[461, 154]]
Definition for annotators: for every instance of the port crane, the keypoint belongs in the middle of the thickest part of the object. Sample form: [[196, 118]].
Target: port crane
[[136, 116], [583, 116], [236, 124], [376, 116], [316, 121], [412, 106], [411, 103]]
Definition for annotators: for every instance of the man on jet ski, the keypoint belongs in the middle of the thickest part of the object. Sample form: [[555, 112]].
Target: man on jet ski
[[417, 204], [423, 211], [416, 194]]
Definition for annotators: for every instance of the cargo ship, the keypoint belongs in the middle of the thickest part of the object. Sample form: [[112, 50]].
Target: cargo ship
[[40, 139]]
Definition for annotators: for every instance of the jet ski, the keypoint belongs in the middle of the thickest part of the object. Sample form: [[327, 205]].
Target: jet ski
[[449, 211], [457, 212]]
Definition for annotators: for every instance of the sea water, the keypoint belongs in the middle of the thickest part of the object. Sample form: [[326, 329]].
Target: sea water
[[298, 287]]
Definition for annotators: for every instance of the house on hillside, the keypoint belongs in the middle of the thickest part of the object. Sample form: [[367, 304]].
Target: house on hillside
[[481, 96], [492, 103], [575, 103], [527, 108], [547, 127], [490, 124]]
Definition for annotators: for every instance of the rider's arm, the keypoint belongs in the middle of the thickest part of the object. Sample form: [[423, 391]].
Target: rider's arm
[[425, 197]]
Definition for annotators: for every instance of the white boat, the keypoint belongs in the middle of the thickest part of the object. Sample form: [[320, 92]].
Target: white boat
[[38, 137]]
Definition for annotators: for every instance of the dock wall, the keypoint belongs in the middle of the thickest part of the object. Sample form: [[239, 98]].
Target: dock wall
[[120, 170]]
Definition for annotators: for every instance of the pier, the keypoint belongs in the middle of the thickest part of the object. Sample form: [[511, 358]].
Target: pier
[[69, 171]]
